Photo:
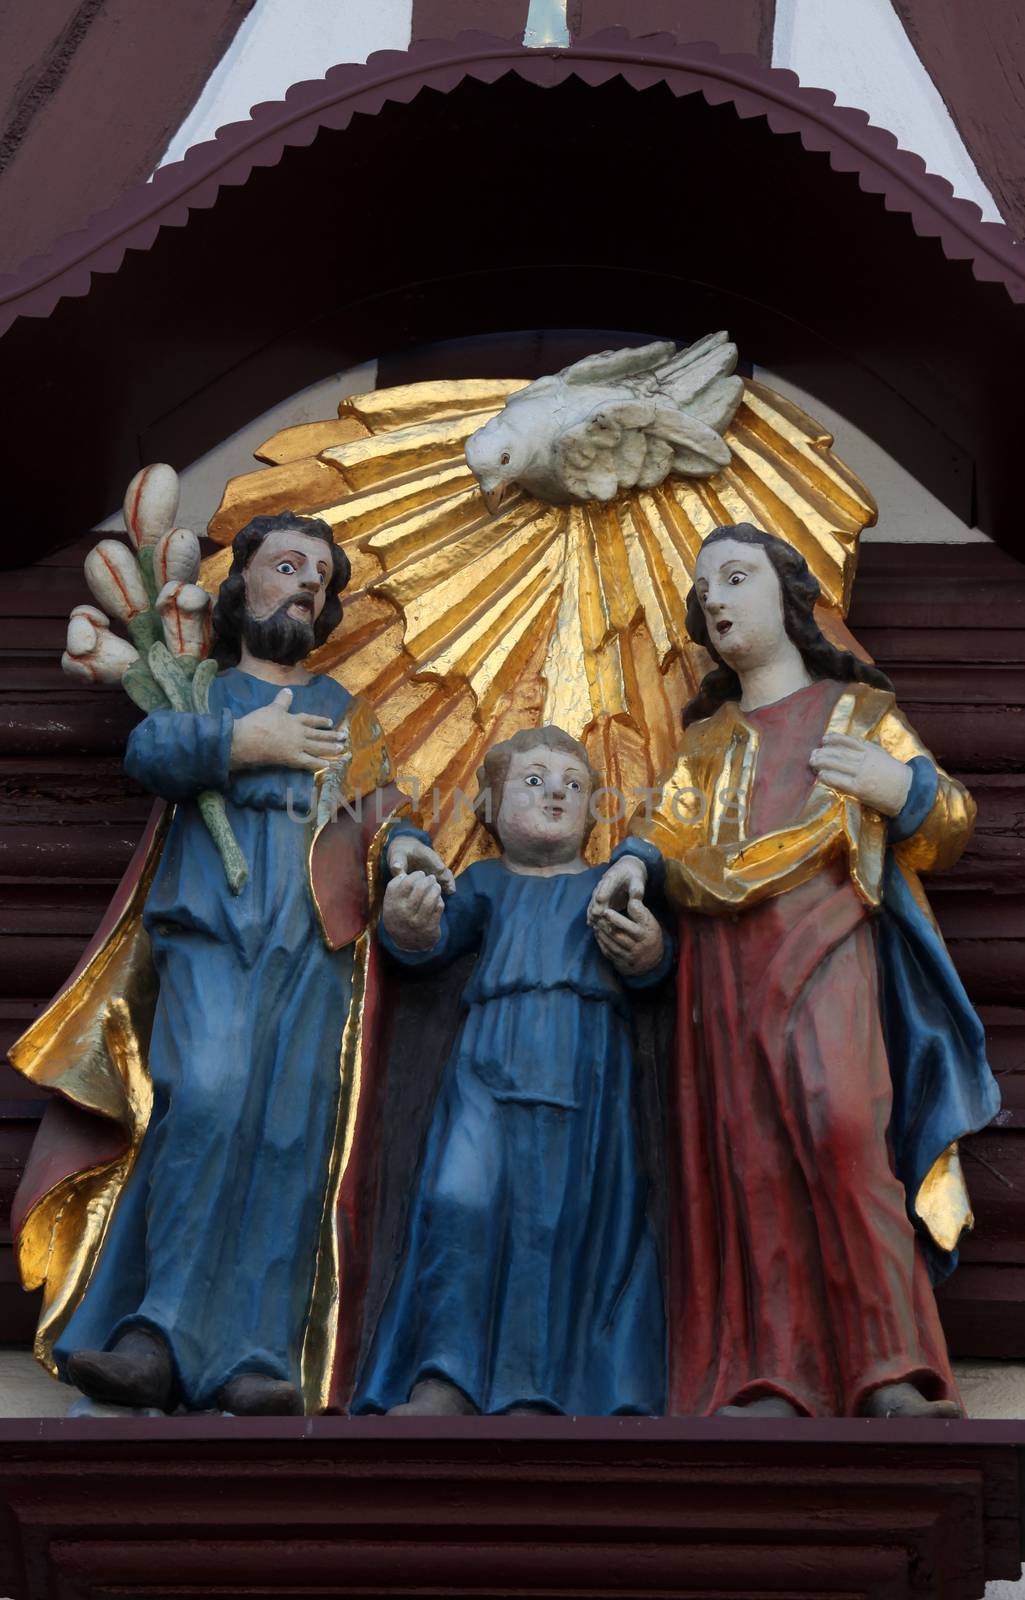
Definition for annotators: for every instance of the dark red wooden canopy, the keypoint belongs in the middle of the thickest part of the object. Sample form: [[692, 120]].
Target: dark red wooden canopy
[[473, 185]]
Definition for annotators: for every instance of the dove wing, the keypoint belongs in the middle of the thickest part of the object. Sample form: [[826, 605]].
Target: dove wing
[[699, 381], [683, 383], [680, 360], [697, 449], [606, 451], [611, 366]]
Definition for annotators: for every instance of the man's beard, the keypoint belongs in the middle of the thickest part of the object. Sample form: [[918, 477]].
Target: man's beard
[[279, 638]]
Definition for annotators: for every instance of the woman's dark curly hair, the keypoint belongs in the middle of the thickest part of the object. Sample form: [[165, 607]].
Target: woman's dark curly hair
[[231, 598], [799, 590]]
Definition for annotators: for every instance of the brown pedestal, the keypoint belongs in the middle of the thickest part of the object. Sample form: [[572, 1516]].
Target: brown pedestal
[[618, 1507]]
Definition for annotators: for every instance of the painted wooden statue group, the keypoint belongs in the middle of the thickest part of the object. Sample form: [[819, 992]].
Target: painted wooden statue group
[[823, 1063]]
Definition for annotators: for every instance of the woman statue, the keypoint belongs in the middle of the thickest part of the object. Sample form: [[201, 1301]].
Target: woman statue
[[828, 1058]]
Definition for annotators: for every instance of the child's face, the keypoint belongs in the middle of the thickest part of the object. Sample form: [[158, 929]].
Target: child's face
[[543, 816]]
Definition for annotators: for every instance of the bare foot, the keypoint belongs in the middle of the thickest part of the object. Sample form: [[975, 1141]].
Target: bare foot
[[904, 1400], [769, 1405], [435, 1397], [136, 1373], [253, 1394]]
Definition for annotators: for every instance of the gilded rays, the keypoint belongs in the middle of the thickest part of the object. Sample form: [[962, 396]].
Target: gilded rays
[[460, 627]]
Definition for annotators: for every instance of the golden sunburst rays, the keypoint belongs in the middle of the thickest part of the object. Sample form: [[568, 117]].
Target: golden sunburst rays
[[460, 627]]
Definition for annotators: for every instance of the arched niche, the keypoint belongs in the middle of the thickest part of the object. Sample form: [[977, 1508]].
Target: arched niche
[[461, 189]]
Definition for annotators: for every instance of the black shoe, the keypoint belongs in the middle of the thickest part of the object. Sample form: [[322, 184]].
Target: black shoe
[[252, 1394], [137, 1372]]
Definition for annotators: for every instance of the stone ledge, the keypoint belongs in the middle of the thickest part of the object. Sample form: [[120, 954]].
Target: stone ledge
[[548, 1506]]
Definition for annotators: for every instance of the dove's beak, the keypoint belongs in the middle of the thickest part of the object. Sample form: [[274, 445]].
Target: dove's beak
[[493, 497]]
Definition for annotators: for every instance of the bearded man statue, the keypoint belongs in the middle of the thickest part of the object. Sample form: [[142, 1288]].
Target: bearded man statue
[[189, 1278]]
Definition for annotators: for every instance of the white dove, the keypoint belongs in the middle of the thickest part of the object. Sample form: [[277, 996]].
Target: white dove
[[624, 419]]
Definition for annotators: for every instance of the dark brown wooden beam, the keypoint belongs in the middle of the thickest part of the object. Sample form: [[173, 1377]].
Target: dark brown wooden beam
[[734, 27], [549, 1507], [443, 19], [91, 91], [975, 55]]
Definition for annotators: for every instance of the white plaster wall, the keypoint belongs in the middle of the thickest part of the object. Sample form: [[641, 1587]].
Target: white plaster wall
[[908, 513], [203, 480], [860, 51], [546, 25], [282, 42]]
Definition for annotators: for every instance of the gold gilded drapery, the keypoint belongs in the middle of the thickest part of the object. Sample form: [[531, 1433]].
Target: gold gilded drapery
[[460, 627], [698, 822], [90, 1045]]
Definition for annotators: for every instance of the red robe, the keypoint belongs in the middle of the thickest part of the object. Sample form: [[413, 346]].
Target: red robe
[[794, 1269]]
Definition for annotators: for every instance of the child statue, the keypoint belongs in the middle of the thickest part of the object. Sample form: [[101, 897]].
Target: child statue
[[530, 1279], [828, 1059]]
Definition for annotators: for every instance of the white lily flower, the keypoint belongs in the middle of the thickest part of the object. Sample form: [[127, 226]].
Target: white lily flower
[[176, 557], [151, 503], [185, 617], [94, 654], [113, 575]]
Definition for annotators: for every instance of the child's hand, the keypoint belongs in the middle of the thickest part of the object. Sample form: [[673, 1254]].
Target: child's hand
[[634, 944], [622, 885], [412, 909]]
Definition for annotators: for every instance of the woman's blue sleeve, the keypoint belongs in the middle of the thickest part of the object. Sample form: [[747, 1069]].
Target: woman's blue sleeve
[[178, 754], [921, 798], [652, 858]]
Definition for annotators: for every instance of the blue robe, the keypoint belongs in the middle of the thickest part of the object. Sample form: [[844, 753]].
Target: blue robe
[[213, 1240], [530, 1275], [943, 1087]]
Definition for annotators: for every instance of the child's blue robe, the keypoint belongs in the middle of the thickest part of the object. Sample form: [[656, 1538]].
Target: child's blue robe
[[530, 1275]]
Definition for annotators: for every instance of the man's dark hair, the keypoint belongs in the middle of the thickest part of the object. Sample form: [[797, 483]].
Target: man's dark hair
[[799, 590], [229, 612]]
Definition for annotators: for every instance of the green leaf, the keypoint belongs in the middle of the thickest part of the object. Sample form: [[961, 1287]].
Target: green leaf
[[144, 631], [170, 676], [144, 556], [141, 686], [205, 674], [215, 815]]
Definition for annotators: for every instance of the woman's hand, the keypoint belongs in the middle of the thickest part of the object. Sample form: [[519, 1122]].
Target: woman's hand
[[407, 854], [634, 943], [863, 770], [621, 887], [277, 737], [413, 904]]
